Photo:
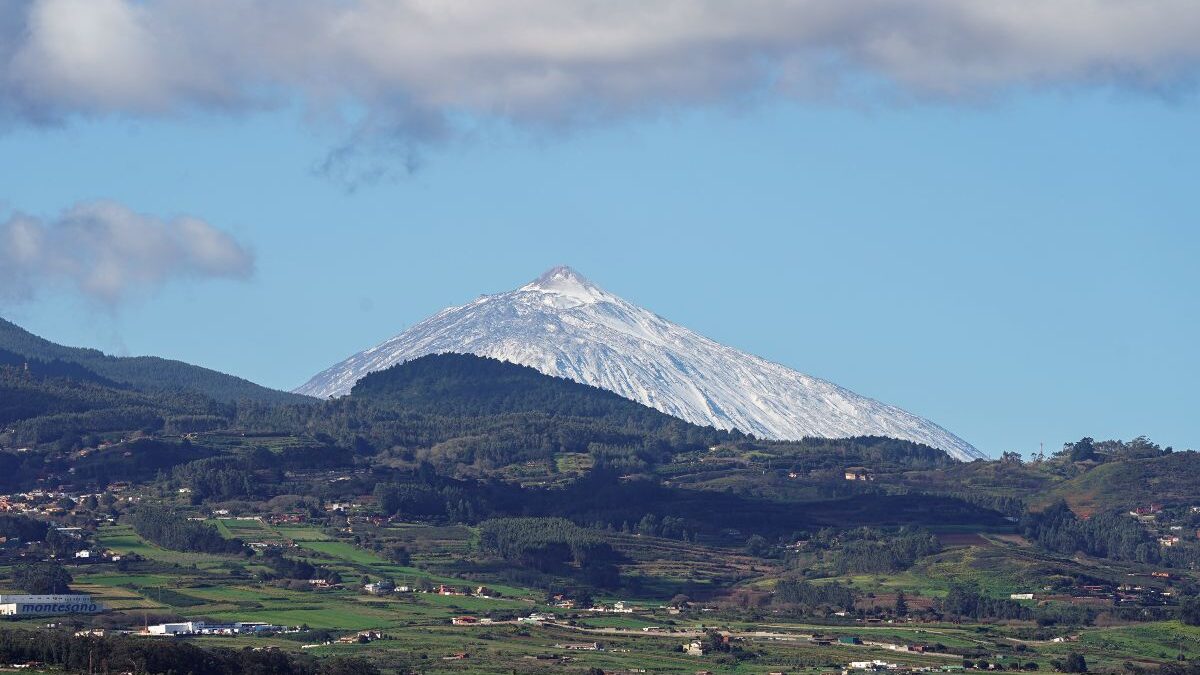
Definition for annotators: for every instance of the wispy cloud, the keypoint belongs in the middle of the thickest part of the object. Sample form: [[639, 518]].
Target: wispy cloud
[[416, 68], [109, 253]]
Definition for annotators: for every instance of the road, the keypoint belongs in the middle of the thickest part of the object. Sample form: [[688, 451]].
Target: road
[[747, 635]]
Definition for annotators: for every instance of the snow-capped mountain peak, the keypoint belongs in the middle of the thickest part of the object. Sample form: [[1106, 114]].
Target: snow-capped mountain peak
[[566, 286], [564, 325]]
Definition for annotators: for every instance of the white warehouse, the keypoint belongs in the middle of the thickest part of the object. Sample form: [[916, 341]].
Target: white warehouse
[[202, 628], [31, 605], [184, 628]]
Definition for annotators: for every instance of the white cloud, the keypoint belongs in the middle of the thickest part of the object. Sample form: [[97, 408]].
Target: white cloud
[[417, 66], [108, 253]]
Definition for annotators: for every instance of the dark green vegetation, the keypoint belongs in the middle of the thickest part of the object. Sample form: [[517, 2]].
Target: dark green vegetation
[[552, 545], [808, 598], [967, 601], [42, 577], [871, 550], [487, 415], [85, 654], [1111, 534], [490, 491], [460, 385], [149, 375], [172, 530]]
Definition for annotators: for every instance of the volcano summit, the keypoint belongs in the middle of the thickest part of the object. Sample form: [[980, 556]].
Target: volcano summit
[[564, 325]]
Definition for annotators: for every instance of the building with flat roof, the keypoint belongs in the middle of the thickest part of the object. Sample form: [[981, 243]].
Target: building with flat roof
[[182, 628], [15, 604]]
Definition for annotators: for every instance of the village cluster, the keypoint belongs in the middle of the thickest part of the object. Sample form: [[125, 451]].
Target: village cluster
[[1169, 526]]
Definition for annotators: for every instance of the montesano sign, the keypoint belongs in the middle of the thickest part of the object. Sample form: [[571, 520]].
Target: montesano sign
[[18, 605]]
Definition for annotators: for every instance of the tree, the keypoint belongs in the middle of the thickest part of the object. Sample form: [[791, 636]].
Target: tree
[[1189, 612], [901, 604], [582, 597], [348, 666], [62, 545], [966, 600], [808, 597], [757, 546], [1075, 663], [1080, 451], [715, 642], [47, 578], [398, 554]]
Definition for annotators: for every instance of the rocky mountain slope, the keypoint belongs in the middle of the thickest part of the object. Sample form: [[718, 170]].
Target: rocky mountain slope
[[562, 324]]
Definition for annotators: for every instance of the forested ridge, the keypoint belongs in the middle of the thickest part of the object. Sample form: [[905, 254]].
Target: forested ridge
[[462, 410], [145, 373], [464, 385]]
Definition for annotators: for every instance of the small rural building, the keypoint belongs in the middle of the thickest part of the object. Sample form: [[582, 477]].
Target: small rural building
[[378, 588], [580, 646], [871, 665]]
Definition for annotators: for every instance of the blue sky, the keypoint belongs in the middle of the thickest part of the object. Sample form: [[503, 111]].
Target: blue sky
[[1019, 267]]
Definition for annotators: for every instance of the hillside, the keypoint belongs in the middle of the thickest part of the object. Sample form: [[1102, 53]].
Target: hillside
[[25, 395], [1126, 484], [473, 386], [44, 402], [467, 413], [145, 373]]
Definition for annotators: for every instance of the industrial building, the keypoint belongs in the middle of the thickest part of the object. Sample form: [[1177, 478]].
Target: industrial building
[[202, 628], [33, 605]]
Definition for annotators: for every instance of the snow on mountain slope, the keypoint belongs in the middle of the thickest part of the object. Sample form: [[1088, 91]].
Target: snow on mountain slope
[[562, 324]]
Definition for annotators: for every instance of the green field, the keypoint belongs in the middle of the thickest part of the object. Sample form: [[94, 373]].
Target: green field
[[224, 588]]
